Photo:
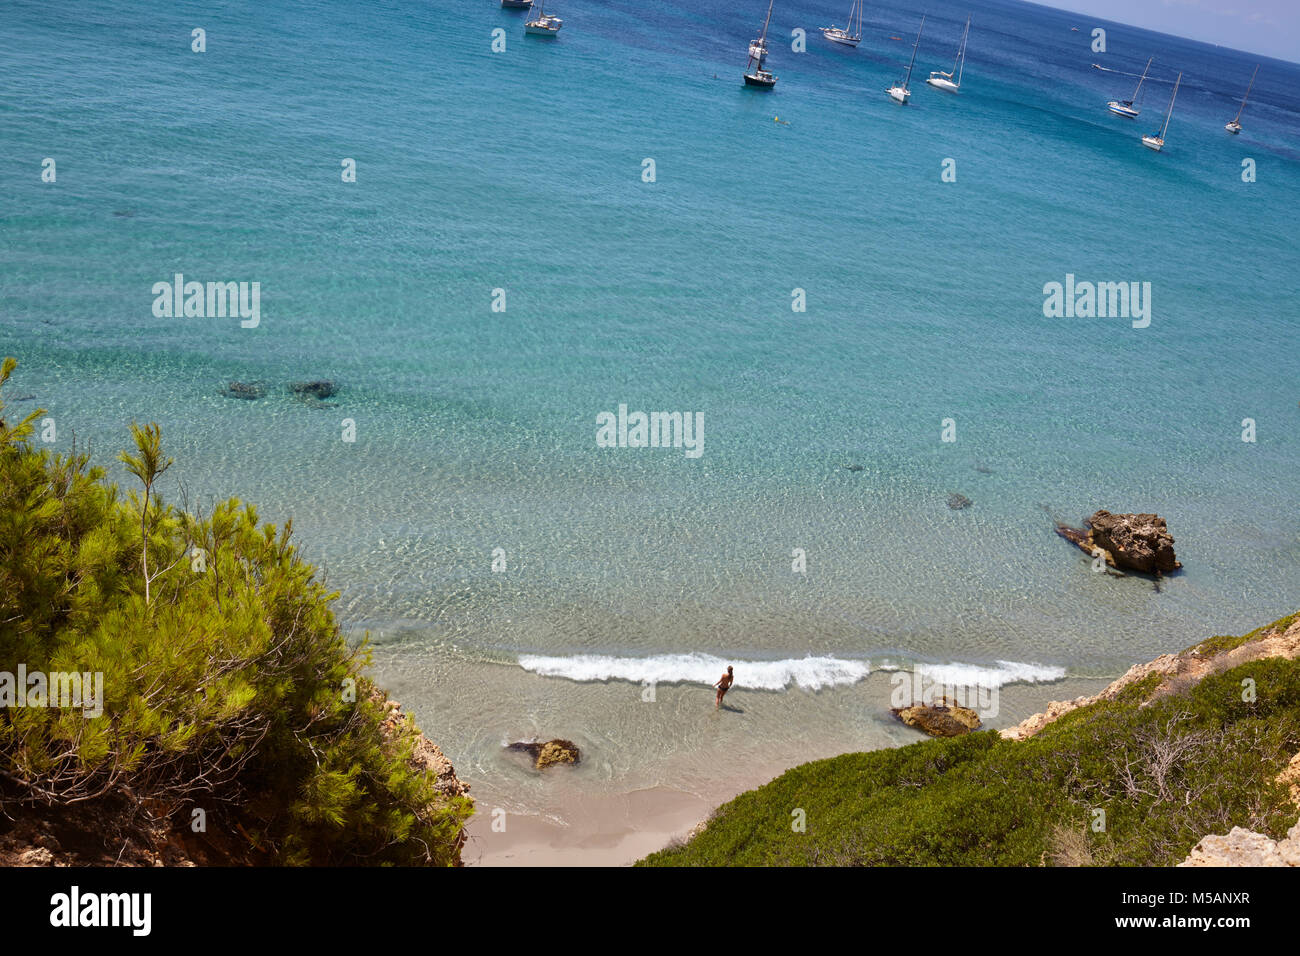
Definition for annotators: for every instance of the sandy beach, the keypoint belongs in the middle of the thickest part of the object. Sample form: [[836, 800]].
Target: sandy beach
[[595, 827], [607, 831]]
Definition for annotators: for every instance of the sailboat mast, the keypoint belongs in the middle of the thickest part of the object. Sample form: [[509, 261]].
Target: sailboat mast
[[1247, 96], [1138, 89], [858, 32], [908, 78], [761, 42], [961, 53], [1170, 111]]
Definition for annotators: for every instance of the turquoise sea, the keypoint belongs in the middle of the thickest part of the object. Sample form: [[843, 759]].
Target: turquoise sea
[[522, 171]]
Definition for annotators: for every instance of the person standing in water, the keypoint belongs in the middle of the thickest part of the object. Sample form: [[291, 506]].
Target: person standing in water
[[723, 685]]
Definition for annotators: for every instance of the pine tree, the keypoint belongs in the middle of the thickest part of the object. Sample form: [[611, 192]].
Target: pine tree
[[223, 688]]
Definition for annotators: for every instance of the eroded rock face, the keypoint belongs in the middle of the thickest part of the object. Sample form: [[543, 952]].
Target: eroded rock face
[[548, 753], [429, 757], [939, 719], [426, 756], [1189, 666], [1136, 542], [1139, 542], [1290, 777]]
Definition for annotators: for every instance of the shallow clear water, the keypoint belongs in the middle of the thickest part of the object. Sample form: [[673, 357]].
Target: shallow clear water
[[476, 429]]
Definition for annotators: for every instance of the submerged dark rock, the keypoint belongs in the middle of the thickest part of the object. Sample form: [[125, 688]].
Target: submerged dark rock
[[956, 502], [321, 388], [248, 391], [853, 467], [549, 752]]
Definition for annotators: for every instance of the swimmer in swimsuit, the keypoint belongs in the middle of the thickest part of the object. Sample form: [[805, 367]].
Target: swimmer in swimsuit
[[723, 685]]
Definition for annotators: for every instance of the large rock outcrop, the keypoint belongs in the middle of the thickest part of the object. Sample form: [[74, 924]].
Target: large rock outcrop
[[1133, 542], [1242, 847]]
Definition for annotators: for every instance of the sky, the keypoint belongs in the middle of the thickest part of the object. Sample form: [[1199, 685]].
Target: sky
[[1270, 27]]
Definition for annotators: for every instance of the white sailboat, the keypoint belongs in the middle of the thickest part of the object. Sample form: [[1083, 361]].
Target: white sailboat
[[1235, 126], [543, 25], [1126, 108], [899, 92], [1158, 142], [945, 81], [756, 73], [849, 35]]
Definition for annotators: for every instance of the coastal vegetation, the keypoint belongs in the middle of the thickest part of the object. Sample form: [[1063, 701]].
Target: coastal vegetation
[[1134, 780], [234, 711], [1222, 643]]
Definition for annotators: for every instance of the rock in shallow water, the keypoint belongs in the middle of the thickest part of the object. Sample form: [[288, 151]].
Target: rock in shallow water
[[1141, 542], [956, 502], [1136, 542], [550, 752], [940, 719]]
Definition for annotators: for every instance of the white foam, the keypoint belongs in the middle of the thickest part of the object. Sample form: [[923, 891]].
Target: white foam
[[810, 673], [974, 675]]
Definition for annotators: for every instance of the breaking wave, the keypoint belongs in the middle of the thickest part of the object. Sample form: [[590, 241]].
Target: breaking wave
[[809, 673]]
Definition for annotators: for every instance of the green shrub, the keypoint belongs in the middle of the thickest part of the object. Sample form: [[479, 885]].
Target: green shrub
[[228, 684]]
